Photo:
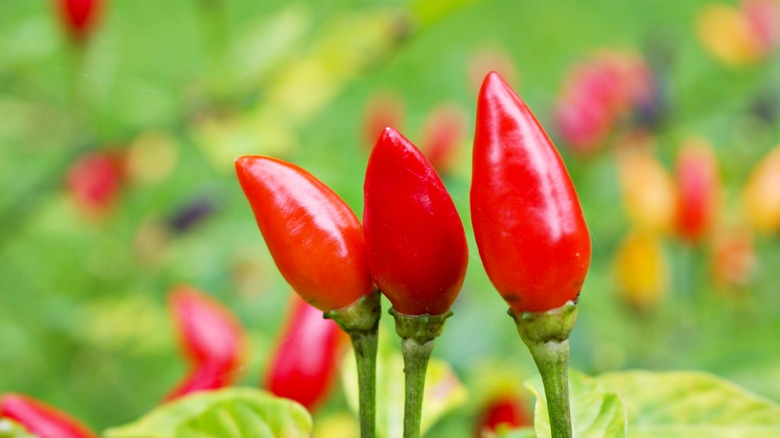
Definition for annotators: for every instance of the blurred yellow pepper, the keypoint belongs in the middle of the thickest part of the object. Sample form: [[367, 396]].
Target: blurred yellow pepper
[[761, 195], [728, 35], [647, 189], [641, 270]]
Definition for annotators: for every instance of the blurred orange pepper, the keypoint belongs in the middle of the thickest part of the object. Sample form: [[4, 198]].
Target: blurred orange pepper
[[641, 270], [698, 190], [761, 195], [733, 259], [647, 189], [728, 35]]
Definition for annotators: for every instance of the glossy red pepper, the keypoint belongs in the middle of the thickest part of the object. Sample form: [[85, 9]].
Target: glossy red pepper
[[697, 190], [206, 376], [307, 356], [41, 419], [79, 16], [209, 332], [529, 227], [314, 237], [416, 244]]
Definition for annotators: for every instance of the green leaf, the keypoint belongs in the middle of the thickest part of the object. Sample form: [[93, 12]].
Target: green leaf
[[10, 429], [227, 413], [691, 404], [443, 390], [595, 412]]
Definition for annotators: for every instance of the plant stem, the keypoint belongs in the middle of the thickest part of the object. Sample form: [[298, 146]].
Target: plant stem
[[416, 358], [360, 320], [417, 333], [547, 336], [365, 345], [552, 360]]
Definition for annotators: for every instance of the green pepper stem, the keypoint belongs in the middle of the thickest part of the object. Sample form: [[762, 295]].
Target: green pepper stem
[[547, 336], [416, 358], [417, 333], [365, 345], [360, 320], [552, 360]]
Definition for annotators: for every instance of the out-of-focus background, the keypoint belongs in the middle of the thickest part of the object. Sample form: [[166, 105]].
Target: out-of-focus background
[[116, 177]]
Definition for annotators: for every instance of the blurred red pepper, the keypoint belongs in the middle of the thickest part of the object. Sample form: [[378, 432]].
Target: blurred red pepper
[[599, 93], [307, 356], [79, 16], [442, 133], [383, 109], [210, 334], [211, 337], [94, 181], [202, 377], [41, 419], [763, 18], [504, 412], [697, 190], [415, 239], [528, 223], [314, 237]]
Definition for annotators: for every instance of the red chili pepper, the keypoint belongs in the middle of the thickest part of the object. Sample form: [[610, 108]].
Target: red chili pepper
[[79, 16], [211, 337], [314, 238], [506, 411], [697, 190], [41, 419], [442, 133], [95, 180], [307, 356], [203, 377], [383, 109], [529, 227], [416, 244], [209, 333]]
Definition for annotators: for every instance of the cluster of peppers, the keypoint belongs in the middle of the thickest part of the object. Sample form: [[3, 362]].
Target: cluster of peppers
[[411, 246], [528, 223]]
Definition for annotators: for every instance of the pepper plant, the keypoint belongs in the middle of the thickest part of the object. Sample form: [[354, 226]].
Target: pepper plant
[[530, 232], [417, 254], [317, 243]]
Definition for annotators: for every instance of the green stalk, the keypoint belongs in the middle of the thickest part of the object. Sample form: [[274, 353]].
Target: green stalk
[[416, 358], [360, 320], [417, 334], [547, 336], [365, 345]]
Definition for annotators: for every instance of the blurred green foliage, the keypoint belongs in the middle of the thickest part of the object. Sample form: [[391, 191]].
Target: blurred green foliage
[[83, 318]]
